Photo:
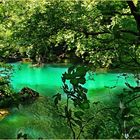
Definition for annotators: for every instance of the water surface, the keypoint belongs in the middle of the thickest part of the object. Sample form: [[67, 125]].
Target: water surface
[[47, 80], [40, 118]]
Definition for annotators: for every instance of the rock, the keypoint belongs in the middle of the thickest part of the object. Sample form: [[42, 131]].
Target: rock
[[37, 65], [3, 113], [29, 92], [25, 96], [26, 60]]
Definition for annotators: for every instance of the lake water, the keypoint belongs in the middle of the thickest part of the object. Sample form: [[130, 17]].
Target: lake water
[[39, 119], [47, 80]]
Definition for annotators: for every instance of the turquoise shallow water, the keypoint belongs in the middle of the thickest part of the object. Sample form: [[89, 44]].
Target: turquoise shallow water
[[47, 80], [39, 119]]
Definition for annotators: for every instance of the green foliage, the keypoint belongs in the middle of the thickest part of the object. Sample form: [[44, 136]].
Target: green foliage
[[104, 33], [57, 98], [8, 98], [73, 80], [98, 32], [75, 91], [78, 114], [98, 120], [6, 92]]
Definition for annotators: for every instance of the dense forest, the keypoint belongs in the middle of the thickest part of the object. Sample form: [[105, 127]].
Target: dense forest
[[88, 34]]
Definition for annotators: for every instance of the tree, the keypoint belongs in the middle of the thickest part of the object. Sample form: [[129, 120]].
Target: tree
[[100, 32]]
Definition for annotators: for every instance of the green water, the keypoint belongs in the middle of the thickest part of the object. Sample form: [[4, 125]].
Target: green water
[[47, 80], [40, 119]]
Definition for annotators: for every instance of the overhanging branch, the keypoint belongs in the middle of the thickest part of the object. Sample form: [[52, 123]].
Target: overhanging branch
[[129, 31], [96, 33], [135, 13], [118, 13], [109, 32]]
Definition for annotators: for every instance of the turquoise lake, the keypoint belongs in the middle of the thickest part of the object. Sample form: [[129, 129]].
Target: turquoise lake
[[39, 119], [47, 80]]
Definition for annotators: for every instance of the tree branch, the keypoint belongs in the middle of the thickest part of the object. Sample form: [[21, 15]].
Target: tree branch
[[135, 13], [92, 33], [129, 31], [108, 32], [116, 12]]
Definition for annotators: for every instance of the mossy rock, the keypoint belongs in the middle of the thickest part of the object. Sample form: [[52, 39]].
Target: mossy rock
[[25, 96]]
